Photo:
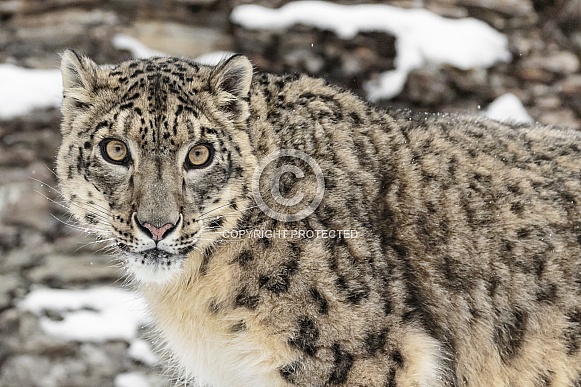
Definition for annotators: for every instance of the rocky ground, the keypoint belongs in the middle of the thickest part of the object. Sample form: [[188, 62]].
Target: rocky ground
[[38, 249]]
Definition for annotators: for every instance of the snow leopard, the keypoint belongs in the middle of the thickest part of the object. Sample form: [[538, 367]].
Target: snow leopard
[[285, 232]]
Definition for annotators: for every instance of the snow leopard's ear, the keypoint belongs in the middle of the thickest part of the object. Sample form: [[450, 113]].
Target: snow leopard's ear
[[233, 75], [79, 75]]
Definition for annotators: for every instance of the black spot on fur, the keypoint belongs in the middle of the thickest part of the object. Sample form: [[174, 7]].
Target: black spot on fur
[[91, 218], [510, 333], [517, 208], [397, 358], [375, 341], [546, 380], [455, 279], [279, 281], [216, 223], [244, 257], [523, 233], [320, 300], [306, 337], [390, 381], [577, 382], [289, 371], [214, 307], [572, 335], [547, 293], [341, 365], [240, 326], [246, 300], [387, 307], [266, 242], [355, 117]]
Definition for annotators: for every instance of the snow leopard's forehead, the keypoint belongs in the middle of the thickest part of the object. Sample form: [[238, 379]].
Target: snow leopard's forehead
[[157, 103], [166, 74]]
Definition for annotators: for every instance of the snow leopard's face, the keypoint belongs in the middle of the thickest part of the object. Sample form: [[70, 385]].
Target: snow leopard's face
[[155, 155]]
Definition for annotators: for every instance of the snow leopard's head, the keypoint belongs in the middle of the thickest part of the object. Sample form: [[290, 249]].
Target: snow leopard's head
[[155, 155]]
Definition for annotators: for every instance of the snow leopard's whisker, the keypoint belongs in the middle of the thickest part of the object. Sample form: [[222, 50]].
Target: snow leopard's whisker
[[54, 189], [77, 227], [50, 170], [95, 242], [100, 214], [212, 210], [102, 210]]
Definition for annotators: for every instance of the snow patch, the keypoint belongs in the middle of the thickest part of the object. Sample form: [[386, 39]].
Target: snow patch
[[93, 315], [22, 90], [213, 58], [137, 49], [140, 350], [421, 36], [131, 379], [508, 108]]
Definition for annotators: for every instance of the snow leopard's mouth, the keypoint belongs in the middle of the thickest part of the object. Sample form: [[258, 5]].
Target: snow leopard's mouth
[[156, 257], [154, 265]]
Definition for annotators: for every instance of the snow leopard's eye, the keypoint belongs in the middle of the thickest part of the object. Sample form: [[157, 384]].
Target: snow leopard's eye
[[114, 151], [199, 156]]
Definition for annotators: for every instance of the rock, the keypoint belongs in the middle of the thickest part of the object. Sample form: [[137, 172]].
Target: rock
[[427, 87], [8, 284], [507, 7], [39, 37], [570, 91], [560, 117], [25, 204], [179, 39], [549, 103], [60, 270], [9, 237], [570, 87], [201, 3], [535, 74], [26, 370], [33, 6], [562, 62], [17, 259], [569, 16]]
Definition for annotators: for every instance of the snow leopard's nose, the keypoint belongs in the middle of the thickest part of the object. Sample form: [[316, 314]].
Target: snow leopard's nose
[[155, 233]]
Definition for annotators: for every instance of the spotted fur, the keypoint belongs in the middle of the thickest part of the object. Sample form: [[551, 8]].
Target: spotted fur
[[466, 268]]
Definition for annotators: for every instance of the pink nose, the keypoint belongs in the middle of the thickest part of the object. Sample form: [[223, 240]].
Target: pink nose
[[157, 234]]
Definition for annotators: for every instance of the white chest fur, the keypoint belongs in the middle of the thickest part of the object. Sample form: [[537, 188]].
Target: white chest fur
[[203, 340]]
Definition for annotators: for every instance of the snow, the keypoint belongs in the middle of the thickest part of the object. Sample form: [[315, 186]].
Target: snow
[[131, 379], [137, 49], [508, 108], [140, 350], [213, 58], [422, 37], [95, 315], [22, 90]]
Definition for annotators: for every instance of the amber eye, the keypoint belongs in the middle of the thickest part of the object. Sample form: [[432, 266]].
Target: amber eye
[[114, 151], [199, 156]]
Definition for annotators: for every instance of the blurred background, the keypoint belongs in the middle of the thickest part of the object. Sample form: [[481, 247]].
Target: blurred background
[[53, 330]]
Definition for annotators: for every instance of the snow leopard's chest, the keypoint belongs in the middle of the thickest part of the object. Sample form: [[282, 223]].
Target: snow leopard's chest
[[216, 344]]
